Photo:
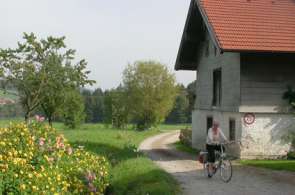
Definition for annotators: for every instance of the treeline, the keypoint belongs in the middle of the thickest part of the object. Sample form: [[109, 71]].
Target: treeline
[[97, 104], [48, 81]]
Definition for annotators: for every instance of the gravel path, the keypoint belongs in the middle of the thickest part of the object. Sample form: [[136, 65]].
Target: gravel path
[[190, 175]]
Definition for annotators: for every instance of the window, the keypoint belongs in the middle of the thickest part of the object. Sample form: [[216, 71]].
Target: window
[[209, 122], [216, 87], [232, 129]]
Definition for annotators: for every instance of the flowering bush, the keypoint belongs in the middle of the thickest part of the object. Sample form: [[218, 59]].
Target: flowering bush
[[35, 159]]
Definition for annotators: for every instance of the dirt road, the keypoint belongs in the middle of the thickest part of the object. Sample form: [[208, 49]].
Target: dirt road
[[190, 175]]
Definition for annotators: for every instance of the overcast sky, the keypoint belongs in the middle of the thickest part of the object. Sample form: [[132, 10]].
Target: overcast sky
[[109, 34]]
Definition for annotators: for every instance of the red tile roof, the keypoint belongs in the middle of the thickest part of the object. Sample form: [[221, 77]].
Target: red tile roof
[[252, 25]]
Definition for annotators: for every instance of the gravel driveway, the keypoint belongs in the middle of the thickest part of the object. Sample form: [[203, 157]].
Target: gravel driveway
[[189, 173]]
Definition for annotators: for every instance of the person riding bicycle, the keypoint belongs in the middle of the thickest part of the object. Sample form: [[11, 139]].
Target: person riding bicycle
[[214, 138]]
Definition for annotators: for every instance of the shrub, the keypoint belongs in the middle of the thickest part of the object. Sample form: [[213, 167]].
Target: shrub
[[186, 136], [35, 159]]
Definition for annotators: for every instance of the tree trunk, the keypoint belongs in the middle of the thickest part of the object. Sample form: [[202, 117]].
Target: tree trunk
[[50, 121], [27, 117]]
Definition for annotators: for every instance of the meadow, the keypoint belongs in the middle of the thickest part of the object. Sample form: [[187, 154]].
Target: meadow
[[131, 172]]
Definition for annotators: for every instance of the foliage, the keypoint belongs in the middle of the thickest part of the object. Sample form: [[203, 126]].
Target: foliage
[[73, 109], [94, 105], [179, 113], [151, 90], [116, 108], [288, 165], [191, 96], [35, 159], [63, 78], [291, 155], [290, 96], [185, 136], [42, 71]]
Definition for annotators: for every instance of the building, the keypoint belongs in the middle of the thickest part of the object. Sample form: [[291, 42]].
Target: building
[[243, 52]]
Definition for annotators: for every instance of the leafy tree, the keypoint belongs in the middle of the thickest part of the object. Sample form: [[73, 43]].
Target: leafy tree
[[88, 103], [21, 67], [73, 109], [98, 104], [42, 71], [151, 91], [191, 96], [179, 113], [94, 103], [116, 110]]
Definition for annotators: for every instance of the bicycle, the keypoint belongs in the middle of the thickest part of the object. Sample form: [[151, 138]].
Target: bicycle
[[222, 163]]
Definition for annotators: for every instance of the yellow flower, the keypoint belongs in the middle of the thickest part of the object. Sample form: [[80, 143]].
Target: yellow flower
[[23, 186], [30, 175], [34, 188]]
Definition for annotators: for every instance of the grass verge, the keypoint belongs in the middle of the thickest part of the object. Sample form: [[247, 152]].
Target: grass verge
[[132, 172], [287, 165], [184, 148]]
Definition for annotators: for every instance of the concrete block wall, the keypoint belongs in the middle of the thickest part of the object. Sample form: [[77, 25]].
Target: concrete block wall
[[265, 137]]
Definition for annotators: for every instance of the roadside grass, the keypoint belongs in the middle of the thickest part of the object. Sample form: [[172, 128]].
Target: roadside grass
[[184, 148], [287, 165], [132, 172]]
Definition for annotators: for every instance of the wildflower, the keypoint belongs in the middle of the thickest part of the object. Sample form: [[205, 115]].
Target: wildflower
[[89, 176], [41, 141], [23, 186], [39, 118]]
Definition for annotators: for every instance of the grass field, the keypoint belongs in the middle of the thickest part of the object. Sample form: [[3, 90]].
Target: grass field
[[132, 172], [288, 165]]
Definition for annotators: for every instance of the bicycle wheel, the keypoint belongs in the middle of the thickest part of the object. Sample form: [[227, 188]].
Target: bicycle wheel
[[226, 170]]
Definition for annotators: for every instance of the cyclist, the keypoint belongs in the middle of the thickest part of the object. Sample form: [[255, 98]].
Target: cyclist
[[214, 138]]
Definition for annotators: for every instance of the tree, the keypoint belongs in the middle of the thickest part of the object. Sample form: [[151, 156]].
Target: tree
[[151, 91], [116, 111], [94, 103], [42, 71], [21, 68], [98, 104], [179, 113], [88, 103], [73, 109], [191, 96]]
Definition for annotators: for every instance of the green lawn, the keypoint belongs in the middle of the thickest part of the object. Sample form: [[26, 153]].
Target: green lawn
[[288, 165], [132, 172]]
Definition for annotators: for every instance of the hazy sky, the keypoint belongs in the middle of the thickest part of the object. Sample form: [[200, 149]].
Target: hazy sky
[[109, 34]]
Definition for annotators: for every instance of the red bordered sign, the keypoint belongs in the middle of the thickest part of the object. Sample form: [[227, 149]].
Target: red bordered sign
[[249, 118]]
